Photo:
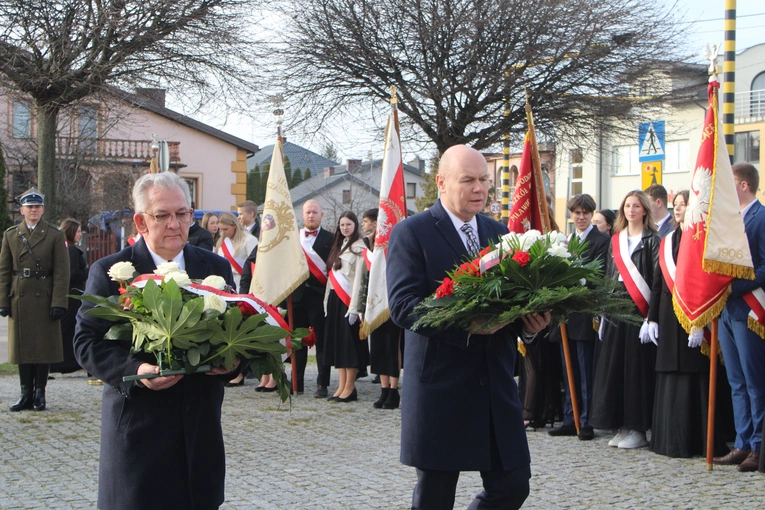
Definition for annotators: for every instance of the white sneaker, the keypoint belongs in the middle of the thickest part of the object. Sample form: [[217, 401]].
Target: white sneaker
[[635, 439], [619, 437]]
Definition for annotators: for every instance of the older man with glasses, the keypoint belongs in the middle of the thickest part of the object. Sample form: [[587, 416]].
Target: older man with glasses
[[161, 438]]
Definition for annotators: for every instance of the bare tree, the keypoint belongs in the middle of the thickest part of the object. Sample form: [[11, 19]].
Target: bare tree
[[60, 52], [455, 61]]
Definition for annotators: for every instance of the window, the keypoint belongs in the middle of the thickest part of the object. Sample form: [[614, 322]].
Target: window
[[626, 160], [193, 190], [88, 128], [677, 157], [22, 119], [757, 96], [747, 147], [576, 159], [346, 196], [411, 190]]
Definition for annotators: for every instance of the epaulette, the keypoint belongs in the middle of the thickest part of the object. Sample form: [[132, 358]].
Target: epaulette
[[11, 228]]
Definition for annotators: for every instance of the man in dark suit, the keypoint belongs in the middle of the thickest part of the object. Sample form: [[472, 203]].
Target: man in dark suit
[[200, 237], [665, 223], [247, 214], [460, 406], [743, 350], [161, 439], [582, 336], [308, 298]]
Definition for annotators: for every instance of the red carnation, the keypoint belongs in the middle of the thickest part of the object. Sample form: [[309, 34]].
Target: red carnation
[[470, 267], [521, 257], [445, 289], [485, 251], [246, 308], [310, 340]]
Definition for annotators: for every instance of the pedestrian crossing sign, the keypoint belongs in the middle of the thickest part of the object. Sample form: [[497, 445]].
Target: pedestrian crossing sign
[[651, 141]]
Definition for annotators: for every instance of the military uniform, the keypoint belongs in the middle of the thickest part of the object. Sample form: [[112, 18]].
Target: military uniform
[[34, 276]]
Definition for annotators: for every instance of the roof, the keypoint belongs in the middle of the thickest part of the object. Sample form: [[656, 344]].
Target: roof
[[147, 103], [299, 158], [365, 175]]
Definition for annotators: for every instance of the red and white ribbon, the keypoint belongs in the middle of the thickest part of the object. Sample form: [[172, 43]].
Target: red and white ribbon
[[316, 265], [667, 262], [342, 287], [237, 264], [636, 285]]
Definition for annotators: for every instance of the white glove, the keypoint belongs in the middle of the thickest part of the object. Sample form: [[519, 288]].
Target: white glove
[[352, 318], [695, 337], [653, 332], [644, 338], [601, 327]]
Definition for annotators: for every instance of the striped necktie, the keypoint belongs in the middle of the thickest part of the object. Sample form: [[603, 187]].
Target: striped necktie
[[472, 240]]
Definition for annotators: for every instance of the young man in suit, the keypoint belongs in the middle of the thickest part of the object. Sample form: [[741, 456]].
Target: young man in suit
[[308, 298], [247, 214], [743, 350], [581, 334], [460, 406], [161, 439], [665, 223]]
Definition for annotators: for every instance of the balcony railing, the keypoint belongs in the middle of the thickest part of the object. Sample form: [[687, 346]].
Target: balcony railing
[[750, 106], [111, 150]]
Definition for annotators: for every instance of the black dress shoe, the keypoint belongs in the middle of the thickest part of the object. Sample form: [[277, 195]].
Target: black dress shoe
[[332, 398], [350, 398], [39, 401], [565, 430], [234, 384], [393, 400], [25, 402], [266, 389], [376, 380], [586, 434], [259, 388], [321, 392]]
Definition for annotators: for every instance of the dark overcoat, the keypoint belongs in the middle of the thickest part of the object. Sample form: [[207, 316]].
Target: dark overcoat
[[458, 388], [159, 449], [672, 353], [579, 325], [32, 336]]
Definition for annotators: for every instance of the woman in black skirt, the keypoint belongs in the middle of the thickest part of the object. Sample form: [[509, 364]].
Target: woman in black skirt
[[341, 306], [682, 372], [624, 373]]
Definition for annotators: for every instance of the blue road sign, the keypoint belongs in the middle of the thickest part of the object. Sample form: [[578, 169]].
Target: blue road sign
[[651, 141]]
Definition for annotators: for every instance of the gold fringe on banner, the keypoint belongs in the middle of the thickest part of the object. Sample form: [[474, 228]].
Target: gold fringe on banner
[[371, 326], [705, 318], [756, 326], [732, 270], [522, 348]]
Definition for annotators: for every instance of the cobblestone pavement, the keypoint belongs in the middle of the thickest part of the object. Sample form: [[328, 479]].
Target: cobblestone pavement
[[322, 455]]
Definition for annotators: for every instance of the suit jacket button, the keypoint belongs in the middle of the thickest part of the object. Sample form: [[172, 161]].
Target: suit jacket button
[[188, 408], [483, 381], [37, 295]]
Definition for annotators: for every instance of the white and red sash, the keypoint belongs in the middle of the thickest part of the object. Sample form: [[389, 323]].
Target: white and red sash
[[756, 301], [132, 240], [316, 265], [637, 287], [227, 247], [342, 286], [667, 262], [367, 258]]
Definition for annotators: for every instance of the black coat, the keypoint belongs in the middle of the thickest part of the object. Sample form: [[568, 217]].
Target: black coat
[[457, 387], [159, 449], [579, 325], [673, 353], [78, 275], [644, 257], [200, 237]]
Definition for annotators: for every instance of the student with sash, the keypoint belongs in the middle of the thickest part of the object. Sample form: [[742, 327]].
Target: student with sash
[[341, 306], [235, 245], [682, 371], [624, 372]]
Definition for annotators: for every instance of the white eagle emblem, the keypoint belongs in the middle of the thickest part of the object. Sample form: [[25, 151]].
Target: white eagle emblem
[[698, 206]]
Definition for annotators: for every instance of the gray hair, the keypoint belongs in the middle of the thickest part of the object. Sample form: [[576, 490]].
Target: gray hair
[[164, 180]]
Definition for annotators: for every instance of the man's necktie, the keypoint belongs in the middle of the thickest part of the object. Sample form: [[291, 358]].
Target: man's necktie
[[311, 233], [472, 240]]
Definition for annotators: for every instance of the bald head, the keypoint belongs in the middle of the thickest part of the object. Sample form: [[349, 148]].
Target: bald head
[[312, 214], [463, 181]]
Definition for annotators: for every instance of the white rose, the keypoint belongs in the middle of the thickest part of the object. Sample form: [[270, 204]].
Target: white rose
[[121, 271], [558, 250], [180, 277], [167, 267], [557, 237], [215, 302], [529, 238], [215, 282]]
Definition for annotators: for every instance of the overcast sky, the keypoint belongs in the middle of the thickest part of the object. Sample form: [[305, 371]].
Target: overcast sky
[[707, 27]]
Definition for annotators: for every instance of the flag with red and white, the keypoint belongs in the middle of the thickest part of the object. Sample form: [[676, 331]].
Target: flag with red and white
[[528, 210], [392, 210], [714, 248]]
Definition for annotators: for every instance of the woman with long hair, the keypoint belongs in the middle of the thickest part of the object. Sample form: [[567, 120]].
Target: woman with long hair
[[679, 426], [341, 306], [78, 274], [235, 245], [624, 374], [210, 223], [604, 220]]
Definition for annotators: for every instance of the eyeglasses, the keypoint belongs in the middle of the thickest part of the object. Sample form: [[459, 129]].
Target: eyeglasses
[[167, 218]]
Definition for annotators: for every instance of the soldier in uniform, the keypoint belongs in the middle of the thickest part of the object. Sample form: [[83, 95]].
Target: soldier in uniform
[[34, 276]]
